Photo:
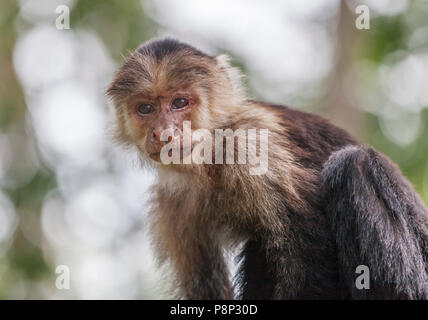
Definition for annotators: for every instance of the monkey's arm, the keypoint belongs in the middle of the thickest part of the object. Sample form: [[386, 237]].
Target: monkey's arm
[[205, 274], [195, 255], [379, 221]]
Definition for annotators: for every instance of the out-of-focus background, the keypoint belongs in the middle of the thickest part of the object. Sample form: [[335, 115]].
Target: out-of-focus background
[[70, 197]]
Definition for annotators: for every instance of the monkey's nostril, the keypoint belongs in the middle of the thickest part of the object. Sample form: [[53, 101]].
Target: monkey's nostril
[[154, 135]]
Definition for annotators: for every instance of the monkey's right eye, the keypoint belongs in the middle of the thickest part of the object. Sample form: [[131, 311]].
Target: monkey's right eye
[[145, 108]]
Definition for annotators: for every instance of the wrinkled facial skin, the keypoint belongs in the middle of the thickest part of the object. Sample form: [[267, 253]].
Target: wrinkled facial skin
[[163, 116]]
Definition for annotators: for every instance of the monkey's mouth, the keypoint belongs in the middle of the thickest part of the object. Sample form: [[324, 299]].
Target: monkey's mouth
[[182, 152]]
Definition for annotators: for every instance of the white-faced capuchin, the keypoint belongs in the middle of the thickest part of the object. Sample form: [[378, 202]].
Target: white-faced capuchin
[[324, 206]]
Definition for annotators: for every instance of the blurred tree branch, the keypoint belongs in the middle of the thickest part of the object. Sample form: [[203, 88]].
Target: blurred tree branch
[[337, 104]]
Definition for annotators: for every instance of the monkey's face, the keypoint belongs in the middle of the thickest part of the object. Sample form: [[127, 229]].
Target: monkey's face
[[157, 119], [160, 87], [153, 99]]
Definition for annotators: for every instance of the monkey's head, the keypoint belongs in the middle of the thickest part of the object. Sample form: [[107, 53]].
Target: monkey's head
[[166, 82]]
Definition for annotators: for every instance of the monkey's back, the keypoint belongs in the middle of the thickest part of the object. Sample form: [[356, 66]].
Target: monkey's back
[[312, 138]]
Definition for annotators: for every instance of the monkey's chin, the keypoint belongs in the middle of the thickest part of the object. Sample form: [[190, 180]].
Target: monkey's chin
[[155, 157]]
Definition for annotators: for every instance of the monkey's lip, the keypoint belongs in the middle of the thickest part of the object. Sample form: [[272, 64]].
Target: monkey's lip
[[183, 151]]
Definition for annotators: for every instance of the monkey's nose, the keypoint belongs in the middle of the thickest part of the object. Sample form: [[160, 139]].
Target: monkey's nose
[[173, 133], [157, 134]]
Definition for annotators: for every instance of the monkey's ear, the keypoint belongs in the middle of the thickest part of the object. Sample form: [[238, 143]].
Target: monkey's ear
[[223, 60], [234, 74]]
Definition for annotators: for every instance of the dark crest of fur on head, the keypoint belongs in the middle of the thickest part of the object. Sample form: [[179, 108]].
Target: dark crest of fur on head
[[161, 48], [161, 63]]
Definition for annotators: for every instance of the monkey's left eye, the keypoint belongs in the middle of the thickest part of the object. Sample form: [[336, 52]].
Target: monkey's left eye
[[145, 108], [179, 103]]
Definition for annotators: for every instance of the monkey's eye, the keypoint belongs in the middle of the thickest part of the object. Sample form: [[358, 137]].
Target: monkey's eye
[[145, 108], [179, 103]]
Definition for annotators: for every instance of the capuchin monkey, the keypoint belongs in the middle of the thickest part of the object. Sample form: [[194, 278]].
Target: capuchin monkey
[[325, 205]]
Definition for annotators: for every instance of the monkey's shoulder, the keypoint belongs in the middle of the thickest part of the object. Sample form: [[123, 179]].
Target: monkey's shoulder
[[310, 137]]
